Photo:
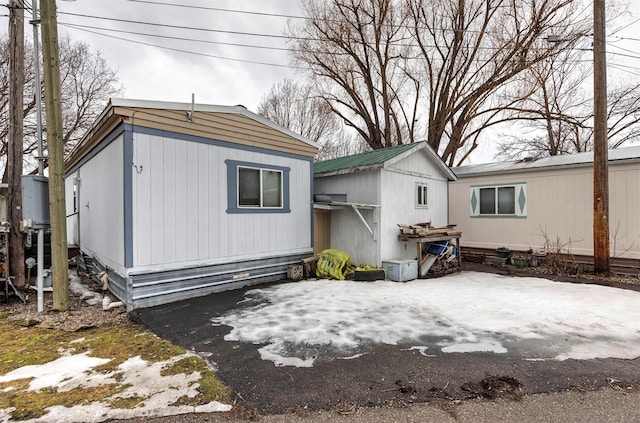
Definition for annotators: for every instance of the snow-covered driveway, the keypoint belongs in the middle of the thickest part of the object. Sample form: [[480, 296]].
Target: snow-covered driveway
[[534, 318]]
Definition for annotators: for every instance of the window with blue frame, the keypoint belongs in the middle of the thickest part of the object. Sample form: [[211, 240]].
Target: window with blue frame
[[257, 188]]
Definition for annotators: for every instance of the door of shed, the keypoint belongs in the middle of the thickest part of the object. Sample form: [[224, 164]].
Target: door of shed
[[321, 230]]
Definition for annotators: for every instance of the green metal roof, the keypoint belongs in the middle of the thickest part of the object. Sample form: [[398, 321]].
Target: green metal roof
[[363, 159]]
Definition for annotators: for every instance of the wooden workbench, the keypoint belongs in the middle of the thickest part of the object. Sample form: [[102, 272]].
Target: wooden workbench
[[425, 239]]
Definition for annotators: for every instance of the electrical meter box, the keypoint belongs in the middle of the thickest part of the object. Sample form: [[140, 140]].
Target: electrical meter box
[[35, 200]]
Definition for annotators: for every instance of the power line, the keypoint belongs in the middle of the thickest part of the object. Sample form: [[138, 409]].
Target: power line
[[613, 53], [218, 9], [168, 37], [625, 27], [627, 69], [252, 34], [188, 51]]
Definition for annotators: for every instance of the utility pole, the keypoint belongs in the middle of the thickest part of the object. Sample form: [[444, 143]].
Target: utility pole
[[601, 243], [53, 108], [14, 159]]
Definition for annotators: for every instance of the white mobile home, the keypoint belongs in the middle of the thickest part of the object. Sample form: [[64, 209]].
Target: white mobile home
[[177, 200], [519, 204], [360, 199]]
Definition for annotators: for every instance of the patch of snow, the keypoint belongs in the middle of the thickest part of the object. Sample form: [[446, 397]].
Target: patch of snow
[[421, 349], [352, 357], [51, 374], [463, 312], [481, 346], [141, 378], [82, 291]]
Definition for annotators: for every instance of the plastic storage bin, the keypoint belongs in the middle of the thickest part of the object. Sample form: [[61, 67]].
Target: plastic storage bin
[[401, 270]]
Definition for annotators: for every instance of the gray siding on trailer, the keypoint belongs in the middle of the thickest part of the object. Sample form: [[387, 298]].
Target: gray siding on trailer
[[179, 191], [150, 289], [100, 205]]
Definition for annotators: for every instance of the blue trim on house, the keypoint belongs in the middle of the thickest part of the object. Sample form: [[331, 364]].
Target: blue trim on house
[[117, 131], [210, 141], [127, 164], [232, 188]]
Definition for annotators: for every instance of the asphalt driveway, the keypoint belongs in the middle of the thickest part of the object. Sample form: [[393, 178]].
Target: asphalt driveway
[[263, 362]]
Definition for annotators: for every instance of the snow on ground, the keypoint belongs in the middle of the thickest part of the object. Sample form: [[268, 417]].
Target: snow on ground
[[141, 379], [466, 312]]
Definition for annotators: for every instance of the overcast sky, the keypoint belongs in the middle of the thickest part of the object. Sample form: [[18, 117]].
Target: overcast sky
[[217, 73]]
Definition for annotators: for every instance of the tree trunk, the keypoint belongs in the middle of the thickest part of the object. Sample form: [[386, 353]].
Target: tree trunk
[[14, 159]]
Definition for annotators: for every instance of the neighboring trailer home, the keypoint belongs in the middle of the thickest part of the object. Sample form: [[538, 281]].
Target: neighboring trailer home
[[530, 203], [176, 200], [360, 199]]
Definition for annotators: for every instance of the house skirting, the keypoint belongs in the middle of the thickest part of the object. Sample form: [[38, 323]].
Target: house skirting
[[143, 290]]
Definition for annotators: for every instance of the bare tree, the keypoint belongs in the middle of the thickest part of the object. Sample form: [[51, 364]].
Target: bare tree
[[471, 50], [549, 103], [556, 110], [87, 84], [295, 106], [356, 51]]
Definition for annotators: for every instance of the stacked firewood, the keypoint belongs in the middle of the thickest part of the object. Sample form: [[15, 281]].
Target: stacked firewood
[[424, 229]]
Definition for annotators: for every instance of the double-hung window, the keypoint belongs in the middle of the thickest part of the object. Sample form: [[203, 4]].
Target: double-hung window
[[421, 195], [256, 188]]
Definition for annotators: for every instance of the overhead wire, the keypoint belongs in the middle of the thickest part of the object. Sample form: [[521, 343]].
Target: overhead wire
[[219, 9], [189, 51], [169, 37], [190, 28]]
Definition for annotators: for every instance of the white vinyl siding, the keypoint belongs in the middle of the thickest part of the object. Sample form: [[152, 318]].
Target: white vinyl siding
[[100, 216], [180, 203]]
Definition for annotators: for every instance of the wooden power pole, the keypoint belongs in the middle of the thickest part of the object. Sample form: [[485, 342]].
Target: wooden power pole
[[55, 143], [601, 243], [14, 157]]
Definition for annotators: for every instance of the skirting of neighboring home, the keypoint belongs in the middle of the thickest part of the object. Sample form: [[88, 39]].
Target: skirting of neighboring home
[[548, 202], [176, 200]]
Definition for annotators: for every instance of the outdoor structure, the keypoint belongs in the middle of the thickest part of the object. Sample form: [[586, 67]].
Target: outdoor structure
[[360, 200], [530, 203], [176, 200]]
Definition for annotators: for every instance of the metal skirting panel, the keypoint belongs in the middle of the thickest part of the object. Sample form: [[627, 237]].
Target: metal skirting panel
[[93, 266], [150, 289]]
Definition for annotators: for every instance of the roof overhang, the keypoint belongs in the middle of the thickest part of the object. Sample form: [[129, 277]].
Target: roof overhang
[[423, 147]]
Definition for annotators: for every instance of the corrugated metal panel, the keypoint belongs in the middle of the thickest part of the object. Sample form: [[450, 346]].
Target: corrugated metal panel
[[152, 289], [567, 160], [371, 158]]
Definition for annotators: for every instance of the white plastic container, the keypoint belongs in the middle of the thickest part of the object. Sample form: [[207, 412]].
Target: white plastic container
[[401, 270]]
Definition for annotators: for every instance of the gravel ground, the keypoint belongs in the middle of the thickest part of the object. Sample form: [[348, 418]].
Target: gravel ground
[[80, 315], [606, 405]]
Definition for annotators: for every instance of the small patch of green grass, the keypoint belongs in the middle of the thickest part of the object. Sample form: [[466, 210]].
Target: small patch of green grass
[[27, 346]]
